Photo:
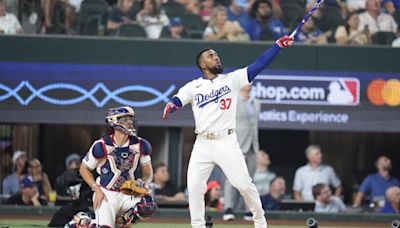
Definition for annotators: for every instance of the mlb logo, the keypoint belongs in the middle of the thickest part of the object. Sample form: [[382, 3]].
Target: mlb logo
[[344, 92]]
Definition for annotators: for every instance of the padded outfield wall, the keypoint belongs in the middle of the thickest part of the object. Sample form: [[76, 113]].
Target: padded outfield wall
[[74, 80]]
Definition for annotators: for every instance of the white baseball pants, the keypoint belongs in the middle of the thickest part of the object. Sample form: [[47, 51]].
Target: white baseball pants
[[224, 152], [115, 203]]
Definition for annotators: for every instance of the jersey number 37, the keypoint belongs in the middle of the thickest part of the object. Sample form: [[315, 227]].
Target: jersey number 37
[[225, 103]]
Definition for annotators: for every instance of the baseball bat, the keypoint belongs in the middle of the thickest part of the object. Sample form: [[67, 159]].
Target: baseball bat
[[308, 15]]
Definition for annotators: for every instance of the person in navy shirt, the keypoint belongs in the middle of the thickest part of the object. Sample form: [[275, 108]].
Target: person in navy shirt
[[272, 200], [310, 33], [262, 25], [237, 11], [392, 202], [375, 185], [391, 6]]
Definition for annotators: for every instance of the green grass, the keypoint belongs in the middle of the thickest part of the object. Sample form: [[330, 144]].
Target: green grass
[[35, 223], [41, 223]]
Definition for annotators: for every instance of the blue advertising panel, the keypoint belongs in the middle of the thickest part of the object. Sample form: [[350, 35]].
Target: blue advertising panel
[[81, 94]]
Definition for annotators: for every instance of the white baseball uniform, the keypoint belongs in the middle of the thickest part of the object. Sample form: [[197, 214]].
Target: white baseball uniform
[[214, 108], [116, 164]]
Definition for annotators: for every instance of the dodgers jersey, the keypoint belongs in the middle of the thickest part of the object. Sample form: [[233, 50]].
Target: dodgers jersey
[[116, 164], [214, 101]]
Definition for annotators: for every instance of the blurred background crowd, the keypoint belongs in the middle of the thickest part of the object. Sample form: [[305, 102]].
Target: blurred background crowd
[[345, 22], [316, 187]]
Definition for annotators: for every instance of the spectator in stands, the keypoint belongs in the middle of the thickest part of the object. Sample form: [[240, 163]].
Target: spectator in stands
[[213, 196], [263, 176], [355, 5], [39, 178], [375, 185], [215, 25], [48, 9], [9, 23], [11, 183], [262, 25], [219, 28], [237, 11], [12, 6], [272, 200], [72, 8], [376, 21], [29, 194], [247, 116], [312, 173], [152, 19], [349, 34], [392, 202], [340, 4], [175, 30], [324, 201], [68, 184], [164, 188], [205, 11], [309, 34], [391, 6], [193, 7], [120, 14], [276, 8]]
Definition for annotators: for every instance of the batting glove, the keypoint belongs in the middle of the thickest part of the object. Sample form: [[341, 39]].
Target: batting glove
[[169, 108], [285, 41]]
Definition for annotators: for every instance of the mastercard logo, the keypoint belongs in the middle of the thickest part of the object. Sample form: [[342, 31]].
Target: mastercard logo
[[381, 92]]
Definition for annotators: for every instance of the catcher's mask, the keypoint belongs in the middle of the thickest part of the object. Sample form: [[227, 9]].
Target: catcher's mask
[[123, 119]]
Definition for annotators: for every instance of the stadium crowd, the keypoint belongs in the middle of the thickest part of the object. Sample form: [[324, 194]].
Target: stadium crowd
[[353, 22], [313, 183]]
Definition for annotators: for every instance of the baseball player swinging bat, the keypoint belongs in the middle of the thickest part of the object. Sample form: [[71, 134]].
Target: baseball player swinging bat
[[308, 15]]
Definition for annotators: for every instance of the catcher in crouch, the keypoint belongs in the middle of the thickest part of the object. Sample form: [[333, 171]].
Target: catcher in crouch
[[117, 195]]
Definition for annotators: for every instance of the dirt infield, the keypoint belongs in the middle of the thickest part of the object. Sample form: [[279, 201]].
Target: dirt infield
[[164, 220]]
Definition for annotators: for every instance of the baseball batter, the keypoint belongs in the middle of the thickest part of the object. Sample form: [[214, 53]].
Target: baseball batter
[[213, 99], [116, 157]]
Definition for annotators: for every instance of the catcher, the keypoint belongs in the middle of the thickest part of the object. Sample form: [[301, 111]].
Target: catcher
[[118, 196]]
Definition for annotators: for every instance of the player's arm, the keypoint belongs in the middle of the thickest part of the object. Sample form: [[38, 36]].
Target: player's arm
[[147, 173], [183, 97], [89, 163], [145, 160], [266, 58]]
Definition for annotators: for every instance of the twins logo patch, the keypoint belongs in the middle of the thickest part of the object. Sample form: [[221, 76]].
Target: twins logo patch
[[124, 155], [204, 99], [104, 171]]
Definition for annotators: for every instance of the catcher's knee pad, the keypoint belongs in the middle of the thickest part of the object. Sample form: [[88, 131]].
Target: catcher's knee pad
[[146, 207], [142, 210]]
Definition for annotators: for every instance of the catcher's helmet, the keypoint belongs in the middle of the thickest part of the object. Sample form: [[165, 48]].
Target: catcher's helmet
[[123, 119]]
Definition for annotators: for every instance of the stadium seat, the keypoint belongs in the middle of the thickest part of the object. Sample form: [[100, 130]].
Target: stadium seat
[[396, 17], [91, 9], [301, 3], [193, 22], [131, 30], [330, 19], [383, 38], [173, 9], [292, 15], [194, 25]]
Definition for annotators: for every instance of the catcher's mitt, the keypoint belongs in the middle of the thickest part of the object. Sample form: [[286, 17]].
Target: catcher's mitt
[[135, 188]]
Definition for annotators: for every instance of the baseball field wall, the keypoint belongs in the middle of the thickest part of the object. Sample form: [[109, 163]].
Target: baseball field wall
[[73, 80]]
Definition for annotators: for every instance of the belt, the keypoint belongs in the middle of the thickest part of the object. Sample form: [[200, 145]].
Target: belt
[[216, 134]]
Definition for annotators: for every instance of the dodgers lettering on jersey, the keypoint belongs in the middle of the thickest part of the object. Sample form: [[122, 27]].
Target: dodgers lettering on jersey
[[214, 101], [116, 164]]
